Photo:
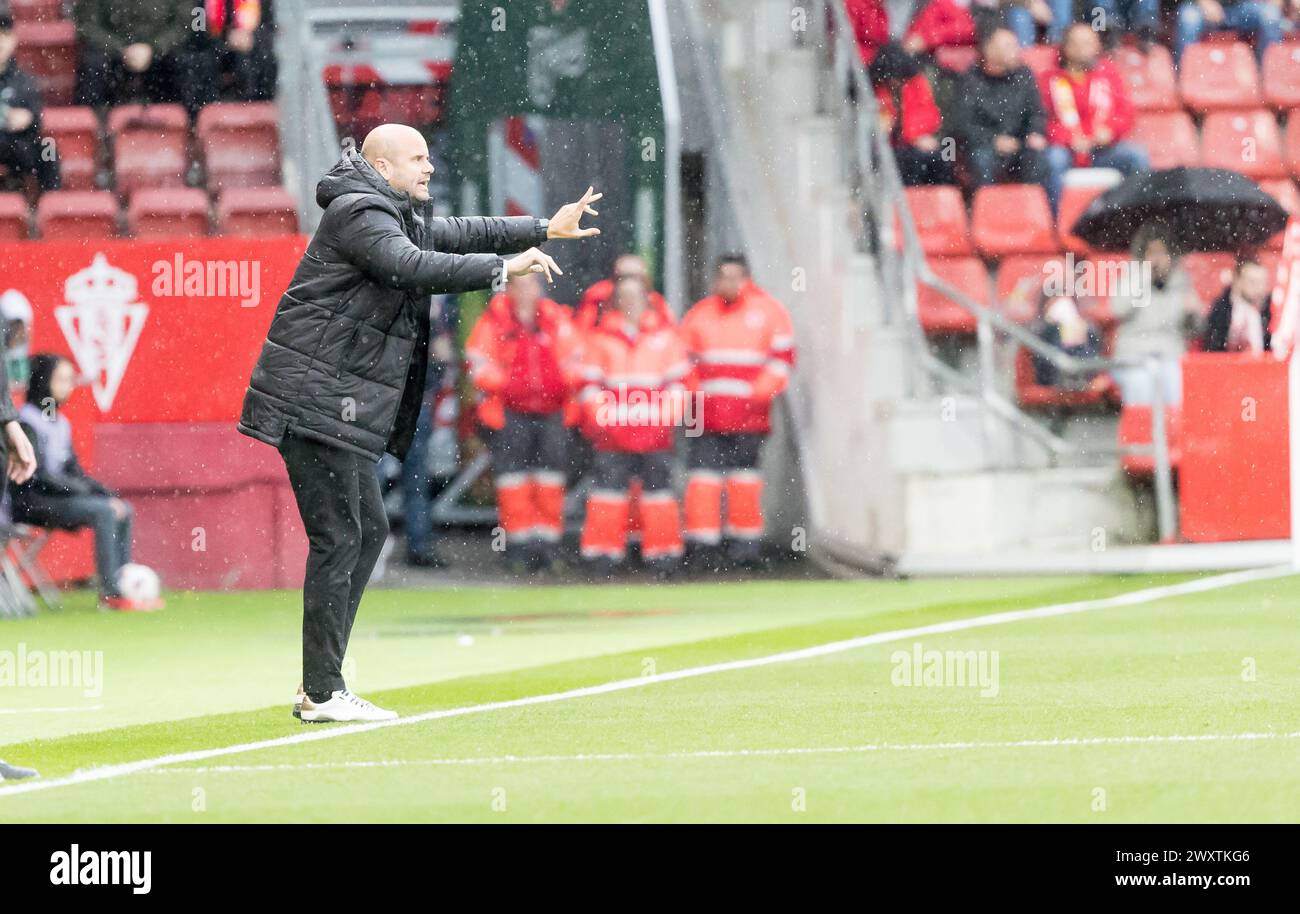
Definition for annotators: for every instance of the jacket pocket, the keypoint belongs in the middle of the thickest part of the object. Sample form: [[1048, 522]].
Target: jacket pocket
[[345, 357]]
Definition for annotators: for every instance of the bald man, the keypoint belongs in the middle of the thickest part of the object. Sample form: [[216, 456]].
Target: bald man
[[341, 375]]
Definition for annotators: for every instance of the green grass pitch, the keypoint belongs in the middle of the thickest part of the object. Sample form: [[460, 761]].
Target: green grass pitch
[[1183, 708]]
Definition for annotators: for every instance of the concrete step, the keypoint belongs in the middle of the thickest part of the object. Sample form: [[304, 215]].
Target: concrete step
[[1049, 510]]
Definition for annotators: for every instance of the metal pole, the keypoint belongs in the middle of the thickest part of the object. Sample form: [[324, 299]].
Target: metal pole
[[1166, 523]]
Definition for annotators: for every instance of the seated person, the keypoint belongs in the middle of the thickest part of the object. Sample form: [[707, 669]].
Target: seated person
[[1261, 18], [1000, 120], [243, 39], [910, 117], [60, 495], [21, 149], [1061, 325], [142, 51], [1088, 113], [1239, 317]]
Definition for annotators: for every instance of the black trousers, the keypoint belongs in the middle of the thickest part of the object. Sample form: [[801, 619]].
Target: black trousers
[[342, 509], [73, 512], [25, 154], [187, 75]]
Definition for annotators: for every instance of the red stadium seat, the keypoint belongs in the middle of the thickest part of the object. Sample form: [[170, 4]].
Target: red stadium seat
[[240, 143], [938, 314], [252, 212], [1210, 272], [150, 146], [1284, 191], [1032, 395], [1244, 141], [1150, 78], [1012, 219], [48, 51], [1040, 58], [1169, 137], [36, 10], [13, 217], [1282, 75], [75, 132], [1292, 141], [1219, 75], [168, 212], [71, 215], [1020, 283], [940, 216], [1135, 428]]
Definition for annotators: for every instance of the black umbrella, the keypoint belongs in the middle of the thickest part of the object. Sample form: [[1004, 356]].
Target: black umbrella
[[1199, 209]]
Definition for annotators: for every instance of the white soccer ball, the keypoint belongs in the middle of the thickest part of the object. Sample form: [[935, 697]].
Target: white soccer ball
[[138, 582]]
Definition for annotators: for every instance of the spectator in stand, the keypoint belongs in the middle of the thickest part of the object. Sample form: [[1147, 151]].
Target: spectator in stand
[[870, 21], [635, 372], [960, 23], [594, 299], [1114, 17], [523, 358], [416, 480], [1000, 119], [243, 41], [61, 495], [1239, 318], [1061, 325], [1026, 17], [21, 149], [1260, 18], [143, 51], [1156, 318], [1088, 113], [741, 342], [910, 116]]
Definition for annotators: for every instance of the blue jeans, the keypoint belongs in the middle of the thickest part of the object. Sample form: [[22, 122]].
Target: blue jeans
[[1142, 16], [1022, 23], [1263, 19], [1127, 158], [417, 495]]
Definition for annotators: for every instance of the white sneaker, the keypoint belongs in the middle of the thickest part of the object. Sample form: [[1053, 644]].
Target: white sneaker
[[342, 706]]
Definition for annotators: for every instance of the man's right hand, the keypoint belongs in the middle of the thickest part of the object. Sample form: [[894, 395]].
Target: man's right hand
[[532, 260], [137, 57], [1006, 145]]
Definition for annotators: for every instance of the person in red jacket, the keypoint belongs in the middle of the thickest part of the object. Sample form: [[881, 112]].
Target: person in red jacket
[[1088, 113], [940, 24], [741, 344], [870, 21], [910, 116], [635, 375], [523, 358], [594, 299]]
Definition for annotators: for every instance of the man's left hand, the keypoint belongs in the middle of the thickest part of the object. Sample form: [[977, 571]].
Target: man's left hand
[[564, 224], [19, 119]]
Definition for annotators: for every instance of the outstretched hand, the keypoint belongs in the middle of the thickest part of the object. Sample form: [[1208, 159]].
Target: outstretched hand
[[565, 222], [533, 260]]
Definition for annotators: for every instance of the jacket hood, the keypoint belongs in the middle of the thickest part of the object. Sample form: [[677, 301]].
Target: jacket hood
[[352, 174]]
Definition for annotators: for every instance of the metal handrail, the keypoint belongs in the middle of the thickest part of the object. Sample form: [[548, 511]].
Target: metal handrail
[[875, 159]]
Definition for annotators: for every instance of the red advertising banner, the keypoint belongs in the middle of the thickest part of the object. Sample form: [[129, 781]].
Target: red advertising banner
[[160, 332]]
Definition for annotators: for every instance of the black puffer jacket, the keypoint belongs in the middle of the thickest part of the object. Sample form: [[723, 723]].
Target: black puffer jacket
[[345, 358]]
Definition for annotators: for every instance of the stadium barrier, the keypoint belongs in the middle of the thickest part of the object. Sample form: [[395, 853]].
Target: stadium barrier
[[164, 334]]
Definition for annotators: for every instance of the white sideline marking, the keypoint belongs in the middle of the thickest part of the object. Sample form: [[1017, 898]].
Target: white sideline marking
[[1132, 598], [738, 753]]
